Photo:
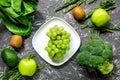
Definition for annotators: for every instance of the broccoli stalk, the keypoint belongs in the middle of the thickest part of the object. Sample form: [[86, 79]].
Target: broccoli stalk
[[105, 68]]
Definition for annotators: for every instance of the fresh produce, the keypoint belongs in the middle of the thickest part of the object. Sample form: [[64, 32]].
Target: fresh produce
[[106, 5], [27, 66], [100, 17], [16, 15], [9, 57], [78, 12], [71, 3], [96, 53], [12, 74], [16, 41], [105, 28], [58, 44], [102, 8], [24, 65], [91, 1]]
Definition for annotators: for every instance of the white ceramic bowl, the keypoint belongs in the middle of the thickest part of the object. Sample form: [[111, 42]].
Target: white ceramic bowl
[[40, 40]]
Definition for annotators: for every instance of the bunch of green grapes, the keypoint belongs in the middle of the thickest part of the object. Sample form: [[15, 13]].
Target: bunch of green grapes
[[58, 44]]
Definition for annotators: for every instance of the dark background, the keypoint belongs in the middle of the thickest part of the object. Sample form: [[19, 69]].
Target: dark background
[[70, 70]]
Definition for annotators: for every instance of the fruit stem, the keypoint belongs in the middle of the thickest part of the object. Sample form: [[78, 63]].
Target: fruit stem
[[31, 56]]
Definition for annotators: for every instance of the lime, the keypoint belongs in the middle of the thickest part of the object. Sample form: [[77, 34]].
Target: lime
[[100, 17], [9, 57]]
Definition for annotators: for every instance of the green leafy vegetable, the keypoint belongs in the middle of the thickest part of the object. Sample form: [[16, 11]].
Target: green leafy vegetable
[[16, 15], [16, 5], [96, 53], [15, 27], [4, 3]]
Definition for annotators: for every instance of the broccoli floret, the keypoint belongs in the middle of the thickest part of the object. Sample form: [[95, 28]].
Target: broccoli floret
[[105, 68], [96, 53]]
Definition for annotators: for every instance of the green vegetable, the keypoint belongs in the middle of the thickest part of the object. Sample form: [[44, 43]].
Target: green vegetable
[[16, 28], [96, 53], [107, 5], [14, 74], [16, 5], [101, 29], [91, 1], [71, 3], [74, 5], [16, 15], [66, 5]]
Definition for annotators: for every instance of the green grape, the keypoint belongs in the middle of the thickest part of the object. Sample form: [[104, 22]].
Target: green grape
[[56, 50], [58, 46], [67, 41], [63, 51], [54, 34], [48, 34], [59, 42], [58, 37], [51, 54], [63, 46], [64, 32], [59, 32], [58, 56], [68, 35], [61, 28], [49, 49], [53, 46], [49, 44], [52, 37], [63, 37], [55, 42]]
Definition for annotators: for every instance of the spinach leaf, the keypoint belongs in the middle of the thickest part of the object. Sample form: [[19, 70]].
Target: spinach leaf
[[9, 12], [16, 5], [16, 28], [27, 9], [4, 3], [16, 15]]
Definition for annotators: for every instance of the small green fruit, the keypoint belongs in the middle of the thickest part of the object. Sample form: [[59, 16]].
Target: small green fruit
[[27, 67], [100, 17], [9, 57]]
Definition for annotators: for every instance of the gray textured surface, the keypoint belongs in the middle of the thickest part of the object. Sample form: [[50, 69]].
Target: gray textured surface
[[70, 70]]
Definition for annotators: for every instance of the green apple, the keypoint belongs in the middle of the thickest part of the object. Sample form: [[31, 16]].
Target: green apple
[[27, 67], [100, 17]]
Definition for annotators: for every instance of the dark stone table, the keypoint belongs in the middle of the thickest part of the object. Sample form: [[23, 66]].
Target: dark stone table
[[70, 70]]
